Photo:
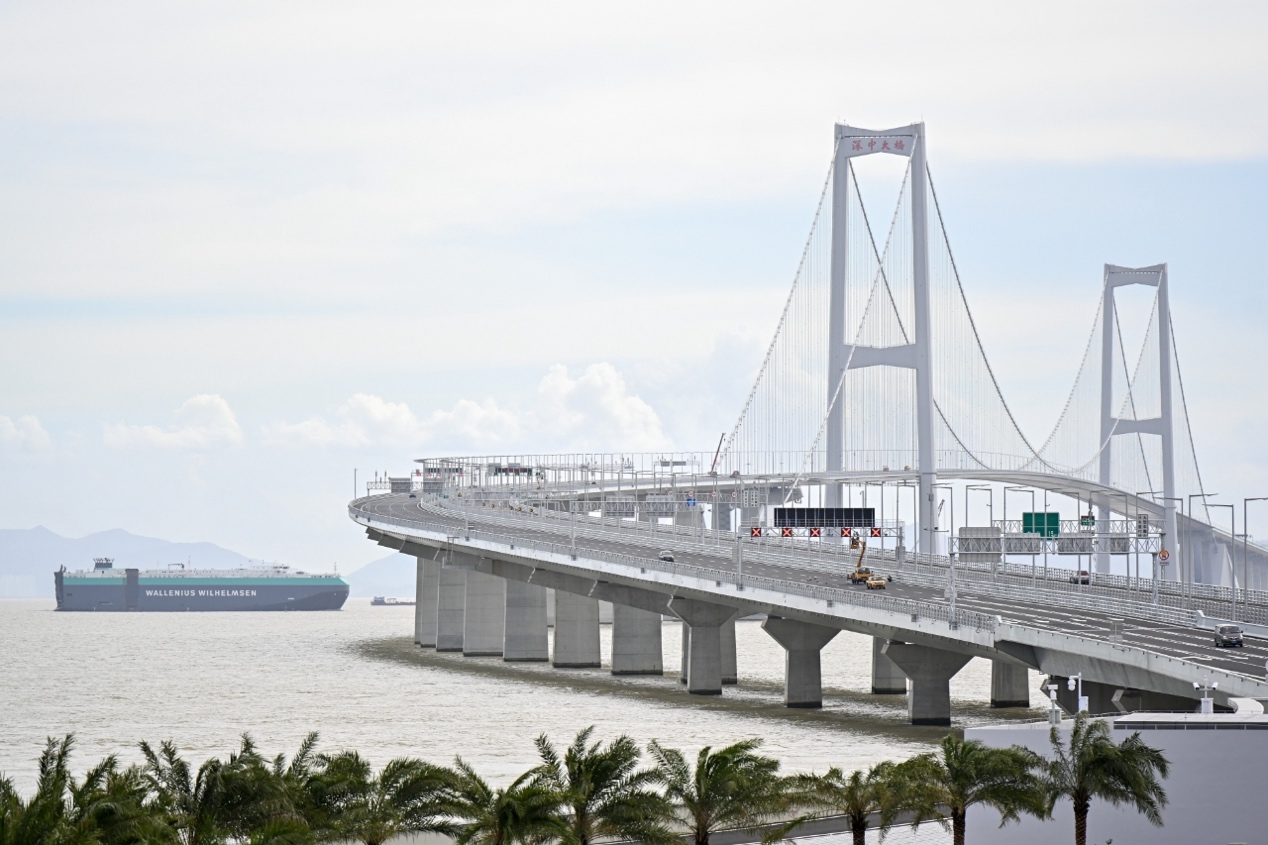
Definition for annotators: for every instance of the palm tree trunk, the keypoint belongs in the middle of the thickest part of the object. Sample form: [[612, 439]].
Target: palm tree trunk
[[858, 830], [1080, 822], [957, 827]]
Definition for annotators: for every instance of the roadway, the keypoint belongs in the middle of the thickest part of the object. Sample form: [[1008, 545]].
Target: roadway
[[1177, 641]]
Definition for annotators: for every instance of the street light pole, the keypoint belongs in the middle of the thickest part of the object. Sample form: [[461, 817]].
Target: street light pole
[[1031, 491], [1246, 545], [1192, 575], [1232, 558]]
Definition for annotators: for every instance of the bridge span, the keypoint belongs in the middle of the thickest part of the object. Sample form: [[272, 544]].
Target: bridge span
[[483, 581]]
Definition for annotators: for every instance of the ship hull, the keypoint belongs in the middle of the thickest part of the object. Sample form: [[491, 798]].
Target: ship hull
[[139, 594]]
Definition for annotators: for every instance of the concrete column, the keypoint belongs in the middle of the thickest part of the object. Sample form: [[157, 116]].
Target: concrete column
[[726, 642], [451, 601], [686, 650], [802, 642], [887, 679], [484, 622], [1010, 685], [636, 648], [930, 671], [704, 650], [426, 594], [576, 631], [526, 639]]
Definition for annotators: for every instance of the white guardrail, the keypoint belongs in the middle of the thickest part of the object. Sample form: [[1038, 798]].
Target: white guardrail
[[1109, 594]]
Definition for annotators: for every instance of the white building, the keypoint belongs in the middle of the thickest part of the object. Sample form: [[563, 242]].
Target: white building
[[1215, 792]]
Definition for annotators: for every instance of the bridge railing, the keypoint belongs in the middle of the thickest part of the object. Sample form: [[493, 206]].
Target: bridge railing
[[1108, 594], [831, 595]]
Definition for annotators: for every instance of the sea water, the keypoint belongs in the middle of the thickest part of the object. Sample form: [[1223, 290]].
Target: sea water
[[355, 677]]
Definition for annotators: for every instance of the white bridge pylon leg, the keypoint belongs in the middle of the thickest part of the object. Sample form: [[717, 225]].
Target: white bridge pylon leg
[[843, 354]]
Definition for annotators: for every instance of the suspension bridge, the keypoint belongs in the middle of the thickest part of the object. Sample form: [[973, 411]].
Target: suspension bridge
[[875, 383]]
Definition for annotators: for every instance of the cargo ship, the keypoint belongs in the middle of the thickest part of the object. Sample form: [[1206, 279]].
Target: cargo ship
[[179, 588]]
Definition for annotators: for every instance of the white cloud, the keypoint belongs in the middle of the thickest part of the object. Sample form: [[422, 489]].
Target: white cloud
[[594, 410], [23, 434], [201, 422]]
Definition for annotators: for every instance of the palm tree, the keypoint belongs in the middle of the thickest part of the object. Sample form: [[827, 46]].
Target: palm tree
[[296, 780], [524, 813], [224, 800], [879, 791], [733, 787], [408, 796], [1092, 766], [966, 772], [109, 806], [43, 818], [603, 792]]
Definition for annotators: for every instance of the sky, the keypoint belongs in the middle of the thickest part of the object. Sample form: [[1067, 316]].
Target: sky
[[249, 249]]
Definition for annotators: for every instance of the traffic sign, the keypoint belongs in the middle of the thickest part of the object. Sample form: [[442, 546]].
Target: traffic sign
[[755, 532], [1164, 556]]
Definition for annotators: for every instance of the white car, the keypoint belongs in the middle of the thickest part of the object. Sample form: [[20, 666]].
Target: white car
[[666, 556]]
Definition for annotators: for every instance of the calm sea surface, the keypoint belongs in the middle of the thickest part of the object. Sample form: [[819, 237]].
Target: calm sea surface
[[202, 679]]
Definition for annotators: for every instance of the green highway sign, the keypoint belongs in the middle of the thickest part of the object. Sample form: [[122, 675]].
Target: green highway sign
[[1045, 523]]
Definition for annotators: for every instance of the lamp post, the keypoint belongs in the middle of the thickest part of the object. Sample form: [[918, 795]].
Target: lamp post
[[1246, 544], [1076, 682], [1180, 563], [990, 492], [1232, 558], [1031, 491], [951, 524], [1189, 564]]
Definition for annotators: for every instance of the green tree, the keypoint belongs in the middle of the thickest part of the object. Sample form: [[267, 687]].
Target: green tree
[[232, 799], [733, 787], [945, 783], [407, 796], [106, 808], [880, 791], [1093, 766], [524, 813], [43, 819], [109, 806], [602, 792]]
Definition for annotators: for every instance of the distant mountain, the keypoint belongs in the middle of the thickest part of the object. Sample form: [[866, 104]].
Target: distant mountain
[[388, 576], [29, 556]]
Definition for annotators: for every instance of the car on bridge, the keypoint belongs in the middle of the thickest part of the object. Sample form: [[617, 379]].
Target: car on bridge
[[1229, 636], [876, 582], [666, 556], [1081, 577]]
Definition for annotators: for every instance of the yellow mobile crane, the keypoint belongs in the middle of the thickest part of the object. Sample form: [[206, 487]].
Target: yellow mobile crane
[[861, 573]]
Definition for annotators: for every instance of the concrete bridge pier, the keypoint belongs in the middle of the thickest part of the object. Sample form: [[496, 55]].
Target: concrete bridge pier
[[426, 595], [636, 646], [726, 642], [704, 647], [484, 619], [930, 671], [451, 600], [1010, 685], [576, 632], [686, 650], [887, 678], [525, 627], [802, 642]]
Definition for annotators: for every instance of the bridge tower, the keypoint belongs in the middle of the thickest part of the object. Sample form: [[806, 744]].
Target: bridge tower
[[1161, 425], [852, 142]]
